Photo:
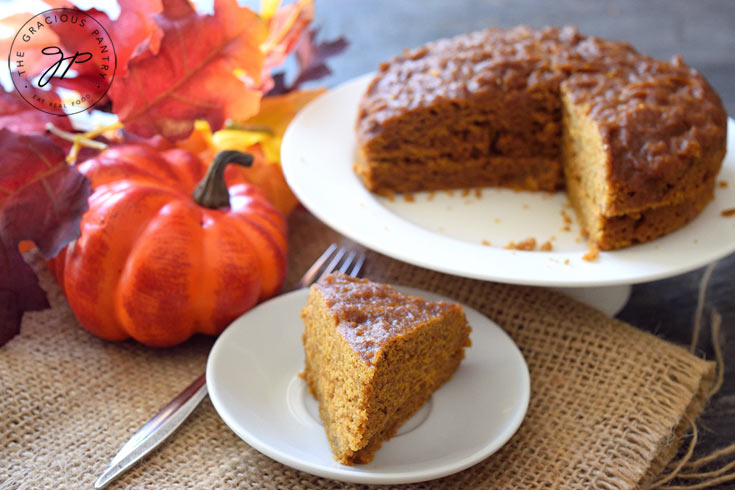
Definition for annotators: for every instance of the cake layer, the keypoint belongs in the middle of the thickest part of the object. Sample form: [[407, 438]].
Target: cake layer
[[528, 173], [613, 232]]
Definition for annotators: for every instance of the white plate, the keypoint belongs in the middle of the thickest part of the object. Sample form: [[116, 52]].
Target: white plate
[[252, 377], [318, 152]]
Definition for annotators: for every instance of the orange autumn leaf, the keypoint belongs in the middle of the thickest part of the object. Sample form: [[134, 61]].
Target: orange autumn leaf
[[264, 174], [276, 113], [285, 27], [268, 177], [195, 73], [199, 141], [261, 136]]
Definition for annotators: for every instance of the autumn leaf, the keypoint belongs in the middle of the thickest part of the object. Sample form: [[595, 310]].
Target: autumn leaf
[[275, 115], [133, 32], [195, 73], [41, 199], [312, 60], [33, 59], [285, 28], [260, 136], [19, 116]]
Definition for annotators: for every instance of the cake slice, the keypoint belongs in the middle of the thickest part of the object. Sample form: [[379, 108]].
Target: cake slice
[[374, 356]]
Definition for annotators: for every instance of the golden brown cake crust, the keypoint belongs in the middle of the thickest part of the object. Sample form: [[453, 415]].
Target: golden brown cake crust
[[369, 315]]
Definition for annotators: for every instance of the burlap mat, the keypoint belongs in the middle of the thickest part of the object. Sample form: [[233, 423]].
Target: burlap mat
[[608, 402]]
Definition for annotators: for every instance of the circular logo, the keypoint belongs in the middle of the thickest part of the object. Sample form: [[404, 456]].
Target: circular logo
[[62, 48]]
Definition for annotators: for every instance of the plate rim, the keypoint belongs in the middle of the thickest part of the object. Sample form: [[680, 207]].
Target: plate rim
[[344, 474], [290, 159]]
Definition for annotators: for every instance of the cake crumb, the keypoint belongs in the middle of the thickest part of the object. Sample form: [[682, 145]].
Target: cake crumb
[[408, 196], [528, 244], [553, 238], [525, 206], [723, 183], [546, 246], [486, 243], [430, 197], [465, 192], [727, 213], [567, 220], [478, 192], [591, 254], [449, 192], [566, 261], [496, 220], [388, 194]]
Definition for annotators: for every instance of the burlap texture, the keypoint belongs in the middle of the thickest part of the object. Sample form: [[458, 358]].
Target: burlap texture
[[608, 402]]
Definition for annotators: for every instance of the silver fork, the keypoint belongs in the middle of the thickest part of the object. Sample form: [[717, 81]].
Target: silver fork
[[165, 422]]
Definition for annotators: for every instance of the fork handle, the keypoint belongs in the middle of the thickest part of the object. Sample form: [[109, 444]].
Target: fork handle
[[155, 431]]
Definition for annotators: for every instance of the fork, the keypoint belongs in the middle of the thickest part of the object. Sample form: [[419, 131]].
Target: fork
[[165, 422]]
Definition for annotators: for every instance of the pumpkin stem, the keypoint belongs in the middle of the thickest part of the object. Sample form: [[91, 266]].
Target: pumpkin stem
[[211, 192]]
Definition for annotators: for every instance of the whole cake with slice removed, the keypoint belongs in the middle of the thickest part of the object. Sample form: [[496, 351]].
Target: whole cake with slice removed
[[637, 142], [374, 356]]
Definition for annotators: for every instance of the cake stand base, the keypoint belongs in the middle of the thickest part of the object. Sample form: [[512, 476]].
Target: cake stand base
[[609, 299]]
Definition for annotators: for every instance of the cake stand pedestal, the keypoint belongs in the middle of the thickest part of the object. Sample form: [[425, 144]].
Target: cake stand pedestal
[[608, 299]]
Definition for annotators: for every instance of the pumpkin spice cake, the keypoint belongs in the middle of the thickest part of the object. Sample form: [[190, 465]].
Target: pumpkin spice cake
[[374, 356], [636, 142]]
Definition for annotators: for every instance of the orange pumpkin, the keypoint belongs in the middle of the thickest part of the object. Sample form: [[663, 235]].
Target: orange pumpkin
[[158, 265]]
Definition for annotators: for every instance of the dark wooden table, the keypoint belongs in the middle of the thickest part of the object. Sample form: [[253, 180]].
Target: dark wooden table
[[702, 31]]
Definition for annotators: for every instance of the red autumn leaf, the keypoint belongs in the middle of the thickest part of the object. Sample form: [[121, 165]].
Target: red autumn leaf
[[208, 67], [19, 116], [133, 32], [33, 60], [82, 83], [41, 199], [312, 59]]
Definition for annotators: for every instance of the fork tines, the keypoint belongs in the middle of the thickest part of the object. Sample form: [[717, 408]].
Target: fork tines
[[336, 258]]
